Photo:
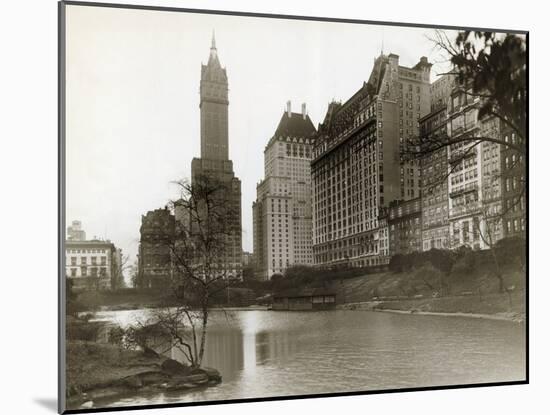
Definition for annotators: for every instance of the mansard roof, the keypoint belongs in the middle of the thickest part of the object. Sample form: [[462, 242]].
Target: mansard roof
[[295, 126]]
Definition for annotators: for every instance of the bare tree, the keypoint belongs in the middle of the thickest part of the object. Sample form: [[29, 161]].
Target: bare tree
[[117, 279], [490, 84], [201, 264], [485, 112]]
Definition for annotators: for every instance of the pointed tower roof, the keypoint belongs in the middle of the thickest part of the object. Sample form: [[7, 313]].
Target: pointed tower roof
[[213, 59], [213, 70]]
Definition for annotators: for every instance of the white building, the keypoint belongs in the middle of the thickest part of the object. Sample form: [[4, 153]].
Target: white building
[[90, 264], [282, 210]]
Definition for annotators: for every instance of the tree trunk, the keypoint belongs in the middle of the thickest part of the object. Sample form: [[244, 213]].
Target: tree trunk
[[203, 333]]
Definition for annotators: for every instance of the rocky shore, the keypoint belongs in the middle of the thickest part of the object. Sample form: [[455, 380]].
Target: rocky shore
[[99, 371]]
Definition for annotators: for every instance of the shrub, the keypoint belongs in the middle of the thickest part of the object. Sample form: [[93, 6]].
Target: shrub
[[84, 331]]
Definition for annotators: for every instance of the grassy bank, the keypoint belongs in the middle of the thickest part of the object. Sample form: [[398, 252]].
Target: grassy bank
[[499, 306]]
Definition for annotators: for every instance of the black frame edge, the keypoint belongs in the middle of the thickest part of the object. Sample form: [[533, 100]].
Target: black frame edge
[[61, 284]]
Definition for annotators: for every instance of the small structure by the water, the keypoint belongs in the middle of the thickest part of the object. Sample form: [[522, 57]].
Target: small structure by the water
[[304, 299]]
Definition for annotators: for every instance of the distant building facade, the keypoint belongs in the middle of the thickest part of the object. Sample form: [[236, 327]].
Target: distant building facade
[[248, 259], [384, 237], [214, 161], [282, 217], [513, 187], [154, 255], [404, 223], [75, 231], [357, 167], [435, 170], [90, 264], [475, 185]]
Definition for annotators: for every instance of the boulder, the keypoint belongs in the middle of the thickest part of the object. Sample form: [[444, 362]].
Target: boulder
[[180, 386], [173, 367], [213, 374], [150, 378], [198, 378]]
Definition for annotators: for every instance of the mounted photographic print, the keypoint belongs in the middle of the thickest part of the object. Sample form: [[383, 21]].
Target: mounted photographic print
[[258, 207]]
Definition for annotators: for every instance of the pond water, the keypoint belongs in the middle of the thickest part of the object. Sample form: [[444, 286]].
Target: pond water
[[276, 353]]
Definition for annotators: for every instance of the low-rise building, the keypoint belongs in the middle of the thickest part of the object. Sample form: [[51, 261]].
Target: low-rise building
[[90, 264], [305, 299]]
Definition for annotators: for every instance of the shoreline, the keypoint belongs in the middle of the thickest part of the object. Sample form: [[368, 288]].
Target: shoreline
[[500, 317], [380, 306], [373, 306]]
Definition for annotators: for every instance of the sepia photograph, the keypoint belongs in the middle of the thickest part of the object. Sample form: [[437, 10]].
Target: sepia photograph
[[260, 207]]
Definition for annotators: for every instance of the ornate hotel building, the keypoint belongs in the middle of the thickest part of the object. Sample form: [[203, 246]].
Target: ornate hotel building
[[214, 161], [357, 167], [282, 217]]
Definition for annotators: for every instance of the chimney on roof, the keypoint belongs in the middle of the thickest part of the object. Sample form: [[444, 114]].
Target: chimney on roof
[[289, 109], [304, 112]]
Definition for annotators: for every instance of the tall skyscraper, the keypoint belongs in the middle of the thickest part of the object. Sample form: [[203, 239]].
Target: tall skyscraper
[[214, 161], [282, 210]]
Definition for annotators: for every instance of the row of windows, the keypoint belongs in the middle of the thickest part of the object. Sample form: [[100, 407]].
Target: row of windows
[[93, 260], [85, 251]]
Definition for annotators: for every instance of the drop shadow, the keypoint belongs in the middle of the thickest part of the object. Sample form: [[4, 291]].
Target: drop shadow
[[48, 403]]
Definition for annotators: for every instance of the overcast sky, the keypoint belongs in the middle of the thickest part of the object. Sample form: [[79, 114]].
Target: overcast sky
[[133, 99]]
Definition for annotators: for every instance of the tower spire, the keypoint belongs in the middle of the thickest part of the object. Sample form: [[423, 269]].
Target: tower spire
[[213, 50]]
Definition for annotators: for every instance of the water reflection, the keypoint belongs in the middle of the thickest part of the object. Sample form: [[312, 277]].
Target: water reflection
[[266, 353]]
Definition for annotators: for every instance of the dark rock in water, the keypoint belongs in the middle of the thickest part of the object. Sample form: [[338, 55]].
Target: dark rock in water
[[149, 378], [198, 378], [133, 382], [179, 386], [173, 367], [212, 373], [148, 352]]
